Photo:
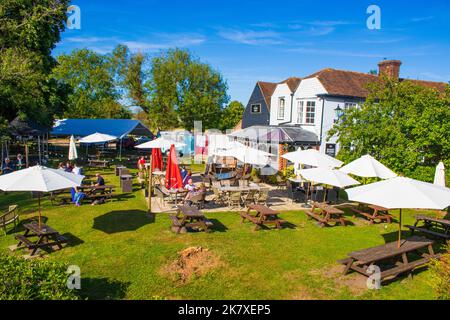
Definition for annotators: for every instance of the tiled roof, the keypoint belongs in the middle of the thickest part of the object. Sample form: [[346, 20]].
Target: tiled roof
[[267, 89], [354, 84], [292, 83]]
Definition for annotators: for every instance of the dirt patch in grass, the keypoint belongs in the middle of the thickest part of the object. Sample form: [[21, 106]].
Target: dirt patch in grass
[[355, 282], [191, 262]]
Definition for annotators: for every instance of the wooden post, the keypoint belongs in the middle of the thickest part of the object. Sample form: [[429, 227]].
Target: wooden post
[[150, 178], [26, 155], [399, 230]]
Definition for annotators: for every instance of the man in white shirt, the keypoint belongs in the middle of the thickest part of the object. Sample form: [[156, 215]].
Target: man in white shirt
[[76, 170]]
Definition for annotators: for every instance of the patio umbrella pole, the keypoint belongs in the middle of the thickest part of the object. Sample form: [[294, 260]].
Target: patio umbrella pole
[[150, 173], [399, 230], [39, 210]]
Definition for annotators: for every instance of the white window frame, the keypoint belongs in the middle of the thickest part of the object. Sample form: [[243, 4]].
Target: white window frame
[[300, 111], [255, 104], [281, 115], [313, 113], [350, 105]]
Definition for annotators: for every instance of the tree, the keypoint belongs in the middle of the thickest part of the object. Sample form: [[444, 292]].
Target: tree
[[404, 125], [183, 90], [231, 115], [93, 90], [29, 31]]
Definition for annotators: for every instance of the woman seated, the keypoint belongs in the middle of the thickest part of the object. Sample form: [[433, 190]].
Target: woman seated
[[200, 190]]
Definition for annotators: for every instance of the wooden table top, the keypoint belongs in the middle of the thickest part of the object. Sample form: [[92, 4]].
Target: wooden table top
[[378, 208], [189, 211], [426, 218], [98, 161], [390, 250], [43, 231], [262, 209], [328, 209], [237, 188]]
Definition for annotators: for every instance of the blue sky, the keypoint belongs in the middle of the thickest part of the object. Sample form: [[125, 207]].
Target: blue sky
[[253, 40]]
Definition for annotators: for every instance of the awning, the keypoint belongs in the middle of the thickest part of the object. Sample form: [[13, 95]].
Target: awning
[[281, 134], [19, 127], [114, 127]]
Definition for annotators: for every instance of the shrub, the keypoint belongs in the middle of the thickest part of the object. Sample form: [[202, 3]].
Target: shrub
[[440, 276], [33, 280]]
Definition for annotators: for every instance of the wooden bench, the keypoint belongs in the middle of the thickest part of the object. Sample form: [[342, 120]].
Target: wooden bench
[[372, 217], [23, 239], [427, 231], [9, 217], [322, 221]]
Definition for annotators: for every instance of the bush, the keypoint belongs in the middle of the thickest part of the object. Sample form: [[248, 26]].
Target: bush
[[33, 280], [440, 270]]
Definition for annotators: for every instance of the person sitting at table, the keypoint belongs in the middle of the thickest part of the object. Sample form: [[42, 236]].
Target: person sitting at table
[[200, 190], [78, 197], [187, 177], [183, 172], [100, 181], [19, 162], [141, 163], [7, 166], [61, 166], [69, 167], [189, 186], [76, 170]]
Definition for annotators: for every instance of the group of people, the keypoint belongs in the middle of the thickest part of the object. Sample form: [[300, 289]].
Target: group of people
[[69, 167], [9, 166]]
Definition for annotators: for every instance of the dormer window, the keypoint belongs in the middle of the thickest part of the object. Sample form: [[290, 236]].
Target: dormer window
[[281, 108], [255, 108]]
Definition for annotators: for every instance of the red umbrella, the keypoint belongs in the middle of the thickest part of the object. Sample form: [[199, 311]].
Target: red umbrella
[[173, 174], [157, 161]]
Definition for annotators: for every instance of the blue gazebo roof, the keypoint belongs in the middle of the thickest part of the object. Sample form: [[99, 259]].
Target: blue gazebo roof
[[115, 127]]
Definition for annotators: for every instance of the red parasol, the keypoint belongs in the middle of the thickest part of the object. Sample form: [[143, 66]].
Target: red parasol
[[173, 174], [157, 161]]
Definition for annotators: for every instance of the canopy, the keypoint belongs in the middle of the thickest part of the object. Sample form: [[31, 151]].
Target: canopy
[[73, 154], [313, 158], [368, 167], [26, 127], [115, 127], [282, 134], [160, 143], [328, 176], [97, 138], [439, 176]]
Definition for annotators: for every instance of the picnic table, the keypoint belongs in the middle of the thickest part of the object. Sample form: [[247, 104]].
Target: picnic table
[[378, 213], [360, 261], [98, 163], [263, 216], [46, 237], [250, 187], [431, 226], [326, 214], [93, 192], [189, 217]]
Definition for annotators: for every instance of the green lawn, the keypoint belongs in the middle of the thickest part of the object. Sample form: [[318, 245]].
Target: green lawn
[[122, 253]]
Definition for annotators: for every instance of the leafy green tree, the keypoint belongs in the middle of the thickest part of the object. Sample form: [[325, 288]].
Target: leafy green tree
[[92, 82], [183, 90], [405, 126], [231, 115], [29, 31]]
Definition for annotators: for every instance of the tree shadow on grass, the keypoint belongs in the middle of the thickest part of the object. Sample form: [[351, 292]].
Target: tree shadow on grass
[[121, 221], [103, 289], [218, 226]]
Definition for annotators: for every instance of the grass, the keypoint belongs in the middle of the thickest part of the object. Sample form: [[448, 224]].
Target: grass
[[122, 252]]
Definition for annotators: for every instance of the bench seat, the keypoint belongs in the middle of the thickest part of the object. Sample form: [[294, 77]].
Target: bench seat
[[430, 232]]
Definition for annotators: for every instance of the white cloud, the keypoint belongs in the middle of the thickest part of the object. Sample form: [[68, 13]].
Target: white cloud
[[251, 37], [421, 19]]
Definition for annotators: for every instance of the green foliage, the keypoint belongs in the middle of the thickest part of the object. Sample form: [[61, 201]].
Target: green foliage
[[33, 280], [183, 90], [440, 276], [91, 79], [231, 115], [29, 31], [403, 125]]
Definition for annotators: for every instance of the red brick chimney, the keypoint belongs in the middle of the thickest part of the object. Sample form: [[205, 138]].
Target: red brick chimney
[[389, 68]]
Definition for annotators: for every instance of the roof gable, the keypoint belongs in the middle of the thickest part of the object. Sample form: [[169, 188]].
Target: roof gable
[[267, 89]]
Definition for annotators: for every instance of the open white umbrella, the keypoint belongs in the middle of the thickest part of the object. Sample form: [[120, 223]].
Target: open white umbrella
[[328, 176], [313, 158], [39, 179], [402, 193], [368, 167], [439, 176], [160, 143], [97, 138], [73, 154], [245, 154]]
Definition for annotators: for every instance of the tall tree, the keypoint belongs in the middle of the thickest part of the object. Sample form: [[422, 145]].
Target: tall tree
[[94, 93], [29, 31], [183, 90], [231, 115], [404, 125]]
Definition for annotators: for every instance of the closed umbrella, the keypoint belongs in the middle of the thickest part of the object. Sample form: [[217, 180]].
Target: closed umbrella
[[157, 160], [439, 176], [39, 179], [312, 157], [173, 174], [368, 167], [73, 154], [402, 193]]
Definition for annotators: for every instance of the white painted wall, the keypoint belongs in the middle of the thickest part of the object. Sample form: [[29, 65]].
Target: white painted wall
[[282, 90]]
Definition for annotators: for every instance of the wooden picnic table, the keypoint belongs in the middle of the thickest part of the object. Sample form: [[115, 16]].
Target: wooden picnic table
[[379, 213], [46, 237], [431, 226], [239, 188], [189, 217], [98, 163], [263, 216], [326, 214], [93, 192], [360, 260]]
